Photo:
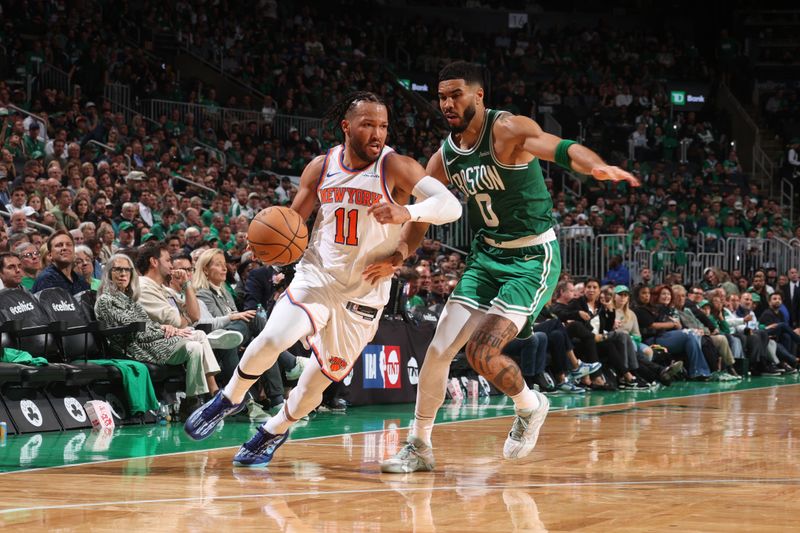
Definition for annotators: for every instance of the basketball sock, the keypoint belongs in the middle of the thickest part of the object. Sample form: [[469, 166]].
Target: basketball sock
[[525, 400], [278, 424], [239, 384], [421, 428]]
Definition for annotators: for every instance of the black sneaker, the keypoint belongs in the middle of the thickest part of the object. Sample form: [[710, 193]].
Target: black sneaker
[[771, 370]]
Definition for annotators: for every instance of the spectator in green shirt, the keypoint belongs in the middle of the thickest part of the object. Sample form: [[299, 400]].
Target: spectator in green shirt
[[731, 229], [32, 142]]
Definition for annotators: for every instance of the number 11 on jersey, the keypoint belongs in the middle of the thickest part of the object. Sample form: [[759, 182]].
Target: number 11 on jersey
[[350, 236]]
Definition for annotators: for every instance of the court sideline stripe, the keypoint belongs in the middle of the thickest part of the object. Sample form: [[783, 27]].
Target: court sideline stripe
[[569, 484], [303, 439]]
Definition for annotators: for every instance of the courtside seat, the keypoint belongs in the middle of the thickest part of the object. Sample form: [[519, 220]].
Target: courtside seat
[[158, 373], [10, 373]]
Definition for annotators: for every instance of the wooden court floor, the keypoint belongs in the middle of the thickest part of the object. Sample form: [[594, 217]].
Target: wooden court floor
[[716, 462]]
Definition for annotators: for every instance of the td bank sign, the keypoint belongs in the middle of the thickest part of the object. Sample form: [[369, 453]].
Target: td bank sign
[[682, 98]]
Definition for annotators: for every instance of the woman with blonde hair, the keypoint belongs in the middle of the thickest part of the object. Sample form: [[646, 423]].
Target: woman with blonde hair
[[117, 304], [626, 320], [210, 272]]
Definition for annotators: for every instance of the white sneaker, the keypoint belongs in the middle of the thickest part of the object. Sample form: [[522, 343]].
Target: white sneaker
[[525, 430], [300, 364], [224, 339]]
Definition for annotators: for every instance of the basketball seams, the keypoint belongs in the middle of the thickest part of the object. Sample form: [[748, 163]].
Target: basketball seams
[[283, 244]]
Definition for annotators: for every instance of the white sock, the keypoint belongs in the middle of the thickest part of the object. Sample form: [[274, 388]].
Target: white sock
[[526, 400], [237, 388], [422, 429], [278, 424]]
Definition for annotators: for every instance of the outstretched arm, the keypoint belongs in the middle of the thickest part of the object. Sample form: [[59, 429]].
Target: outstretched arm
[[412, 233], [435, 204], [527, 136]]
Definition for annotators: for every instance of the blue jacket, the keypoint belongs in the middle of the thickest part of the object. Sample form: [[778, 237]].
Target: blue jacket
[[53, 277], [617, 276]]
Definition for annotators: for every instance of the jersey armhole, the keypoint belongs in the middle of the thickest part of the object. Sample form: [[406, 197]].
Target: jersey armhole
[[382, 172], [495, 159], [321, 177]]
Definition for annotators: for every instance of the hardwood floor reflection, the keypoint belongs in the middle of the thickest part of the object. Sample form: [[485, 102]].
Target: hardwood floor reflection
[[724, 462]]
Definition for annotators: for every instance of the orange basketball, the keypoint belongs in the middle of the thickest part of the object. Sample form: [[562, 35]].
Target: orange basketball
[[278, 235]]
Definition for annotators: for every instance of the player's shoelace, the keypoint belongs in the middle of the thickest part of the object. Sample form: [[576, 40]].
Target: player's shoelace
[[519, 427]]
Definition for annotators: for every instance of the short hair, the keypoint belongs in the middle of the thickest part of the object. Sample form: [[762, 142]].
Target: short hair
[[86, 224], [150, 250], [561, 287], [107, 284], [472, 73], [58, 233], [83, 249], [776, 293], [184, 256], [6, 255]]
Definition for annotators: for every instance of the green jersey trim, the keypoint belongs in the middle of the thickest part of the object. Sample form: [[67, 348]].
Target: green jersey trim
[[469, 302]]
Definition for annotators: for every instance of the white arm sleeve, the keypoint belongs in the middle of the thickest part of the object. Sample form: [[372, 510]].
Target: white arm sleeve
[[437, 205]]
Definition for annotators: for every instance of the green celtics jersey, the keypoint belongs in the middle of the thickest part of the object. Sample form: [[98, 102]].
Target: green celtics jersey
[[504, 202]]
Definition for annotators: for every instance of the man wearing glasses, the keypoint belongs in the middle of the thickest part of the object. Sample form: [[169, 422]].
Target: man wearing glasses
[[31, 263], [60, 271]]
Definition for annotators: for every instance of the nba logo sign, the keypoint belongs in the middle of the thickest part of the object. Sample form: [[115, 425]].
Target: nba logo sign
[[381, 367]]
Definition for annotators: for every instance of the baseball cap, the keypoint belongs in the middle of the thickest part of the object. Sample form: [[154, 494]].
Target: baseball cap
[[254, 195], [672, 202], [148, 237], [756, 297], [703, 303], [581, 216], [135, 175], [619, 289], [125, 226], [210, 237], [3, 112], [36, 154]]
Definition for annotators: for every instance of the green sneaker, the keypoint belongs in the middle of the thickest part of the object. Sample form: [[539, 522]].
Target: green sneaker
[[415, 456]]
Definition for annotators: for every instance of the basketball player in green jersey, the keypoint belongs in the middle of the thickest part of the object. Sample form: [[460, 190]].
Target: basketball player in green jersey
[[492, 157]]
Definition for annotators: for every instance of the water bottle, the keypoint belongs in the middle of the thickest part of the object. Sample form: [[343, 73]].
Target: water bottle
[[261, 317]]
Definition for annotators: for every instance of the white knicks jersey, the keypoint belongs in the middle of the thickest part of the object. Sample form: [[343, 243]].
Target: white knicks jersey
[[345, 239]]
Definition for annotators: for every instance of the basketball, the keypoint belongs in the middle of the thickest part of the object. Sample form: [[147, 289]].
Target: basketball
[[278, 235]]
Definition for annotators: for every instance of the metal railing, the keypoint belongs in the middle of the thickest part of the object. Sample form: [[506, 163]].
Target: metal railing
[[586, 255], [195, 184], [220, 116], [219, 154], [119, 94], [787, 199], [111, 149], [52, 77], [36, 225]]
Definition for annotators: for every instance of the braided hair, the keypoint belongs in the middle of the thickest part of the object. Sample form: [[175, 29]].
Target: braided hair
[[337, 112]]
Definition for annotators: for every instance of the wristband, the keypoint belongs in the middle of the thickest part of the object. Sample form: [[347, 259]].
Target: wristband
[[562, 156]]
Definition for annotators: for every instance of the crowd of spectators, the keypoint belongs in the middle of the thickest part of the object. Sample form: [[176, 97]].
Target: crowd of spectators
[[58, 174], [642, 336]]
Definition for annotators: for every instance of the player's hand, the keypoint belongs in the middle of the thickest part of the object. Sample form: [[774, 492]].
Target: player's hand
[[383, 268], [387, 213], [609, 173]]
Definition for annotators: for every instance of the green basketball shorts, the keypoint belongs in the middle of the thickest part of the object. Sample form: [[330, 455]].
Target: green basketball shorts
[[515, 281]]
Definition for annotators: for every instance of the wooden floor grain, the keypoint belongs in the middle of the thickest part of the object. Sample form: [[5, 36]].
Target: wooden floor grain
[[725, 462]]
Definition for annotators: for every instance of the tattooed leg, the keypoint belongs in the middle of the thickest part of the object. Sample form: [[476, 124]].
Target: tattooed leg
[[484, 354]]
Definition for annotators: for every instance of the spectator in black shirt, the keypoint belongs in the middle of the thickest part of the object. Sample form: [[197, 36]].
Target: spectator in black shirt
[[775, 324]]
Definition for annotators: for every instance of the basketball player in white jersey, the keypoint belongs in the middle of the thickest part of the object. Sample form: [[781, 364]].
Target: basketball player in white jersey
[[342, 282]]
